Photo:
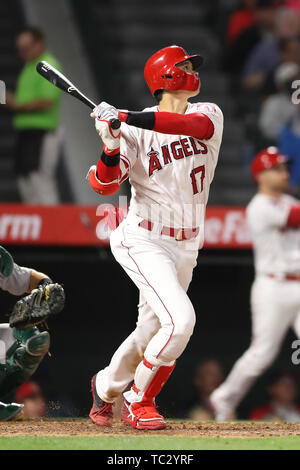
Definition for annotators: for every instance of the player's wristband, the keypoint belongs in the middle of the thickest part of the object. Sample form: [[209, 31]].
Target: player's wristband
[[145, 120], [111, 159], [108, 167]]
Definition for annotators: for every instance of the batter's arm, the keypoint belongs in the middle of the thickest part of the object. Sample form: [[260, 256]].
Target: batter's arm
[[196, 125], [105, 177]]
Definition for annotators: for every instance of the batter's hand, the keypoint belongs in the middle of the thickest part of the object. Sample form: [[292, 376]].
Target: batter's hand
[[103, 114]]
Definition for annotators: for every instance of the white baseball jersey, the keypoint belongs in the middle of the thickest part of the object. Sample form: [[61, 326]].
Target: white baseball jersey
[[276, 247], [275, 302], [170, 175], [18, 282]]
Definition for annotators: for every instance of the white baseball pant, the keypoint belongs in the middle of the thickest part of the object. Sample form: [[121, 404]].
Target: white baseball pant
[[162, 270], [275, 306]]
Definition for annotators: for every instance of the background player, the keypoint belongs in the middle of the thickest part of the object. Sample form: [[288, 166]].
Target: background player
[[22, 344], [274, 222], [169, 152]]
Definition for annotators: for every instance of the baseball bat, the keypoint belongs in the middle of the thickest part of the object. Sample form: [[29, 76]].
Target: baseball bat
[[57, 79]]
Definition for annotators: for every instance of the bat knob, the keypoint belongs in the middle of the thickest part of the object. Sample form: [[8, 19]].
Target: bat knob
[[115, 123]]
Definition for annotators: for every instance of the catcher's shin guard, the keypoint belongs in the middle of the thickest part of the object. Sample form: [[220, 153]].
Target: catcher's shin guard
[[23, 358], [11, 411], [139, 408], [9, 378]]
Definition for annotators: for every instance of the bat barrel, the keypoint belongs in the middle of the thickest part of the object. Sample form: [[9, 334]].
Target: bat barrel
[[57, 79]]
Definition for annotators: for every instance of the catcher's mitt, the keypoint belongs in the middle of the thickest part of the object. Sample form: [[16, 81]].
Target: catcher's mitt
[[48, 299]]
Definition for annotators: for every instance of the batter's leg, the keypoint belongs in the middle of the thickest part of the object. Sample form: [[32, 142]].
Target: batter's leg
[[154, 273], [113, 380], [153, 268], [271, 319]]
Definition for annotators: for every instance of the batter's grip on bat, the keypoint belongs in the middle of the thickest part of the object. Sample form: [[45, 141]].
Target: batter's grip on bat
[[115, 123]]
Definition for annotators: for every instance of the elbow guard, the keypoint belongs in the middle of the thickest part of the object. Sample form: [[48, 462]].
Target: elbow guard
[[101, 188]]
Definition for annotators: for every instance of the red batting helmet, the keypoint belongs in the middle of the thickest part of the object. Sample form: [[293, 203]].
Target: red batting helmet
[[266, 159], [161, 73]]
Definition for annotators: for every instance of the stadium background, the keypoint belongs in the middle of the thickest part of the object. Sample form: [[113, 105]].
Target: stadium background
[[102, 46]]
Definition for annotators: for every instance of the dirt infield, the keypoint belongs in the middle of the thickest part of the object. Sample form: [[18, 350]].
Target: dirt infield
[[83, 427]]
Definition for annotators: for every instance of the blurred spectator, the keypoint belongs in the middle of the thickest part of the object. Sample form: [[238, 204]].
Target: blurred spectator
[[289, 52], [243, 45], [30, 393], [35, 105], [282, 407], [240, 19], [278, 108], [293, 4], [208, 376], [281, 45], [289, 145]]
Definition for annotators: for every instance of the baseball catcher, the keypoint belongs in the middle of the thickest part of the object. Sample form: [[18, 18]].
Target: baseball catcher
[[24, 341]]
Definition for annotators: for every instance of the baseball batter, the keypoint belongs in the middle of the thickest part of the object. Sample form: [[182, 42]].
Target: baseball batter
[[169, 152], [22, 344], [274, 221]]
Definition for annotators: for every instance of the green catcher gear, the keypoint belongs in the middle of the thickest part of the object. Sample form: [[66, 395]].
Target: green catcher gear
[[11, 411], [23, 358], [47, 299], [6, 262]]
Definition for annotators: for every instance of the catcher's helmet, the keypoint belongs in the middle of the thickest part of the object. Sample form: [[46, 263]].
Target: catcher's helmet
[[161, 73], [266, 159]]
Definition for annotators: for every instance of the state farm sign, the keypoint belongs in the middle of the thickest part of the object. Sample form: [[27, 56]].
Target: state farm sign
[[225, 227], [20, 226]]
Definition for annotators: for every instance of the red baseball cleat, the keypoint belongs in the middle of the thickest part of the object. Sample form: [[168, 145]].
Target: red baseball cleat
[[101, 412], [142, 415]]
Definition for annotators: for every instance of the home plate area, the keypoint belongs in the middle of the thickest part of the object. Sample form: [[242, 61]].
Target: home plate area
[[84, 427]]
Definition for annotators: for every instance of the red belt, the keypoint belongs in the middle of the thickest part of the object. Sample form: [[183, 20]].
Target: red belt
[[286, 277], [179, 234]]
